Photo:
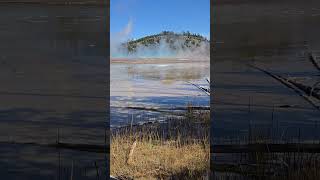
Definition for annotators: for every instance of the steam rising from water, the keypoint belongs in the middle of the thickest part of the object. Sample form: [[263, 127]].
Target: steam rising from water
[[118, 38], [159, 50]]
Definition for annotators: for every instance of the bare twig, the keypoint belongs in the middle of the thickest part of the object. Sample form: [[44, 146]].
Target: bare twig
[[313, 61], [206, 90]]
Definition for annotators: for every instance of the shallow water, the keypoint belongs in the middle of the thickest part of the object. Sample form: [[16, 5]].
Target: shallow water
[[276, 37], [162, 86], [53, 76]]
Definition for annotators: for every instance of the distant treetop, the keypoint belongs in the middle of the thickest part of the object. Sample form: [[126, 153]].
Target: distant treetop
[[184, 39]]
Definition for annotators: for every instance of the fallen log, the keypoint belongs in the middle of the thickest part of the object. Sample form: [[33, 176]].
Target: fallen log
[[71, 146], [81, 147], [287, 83], [313, 61], [165, 109], [172, 109], [307, 89]]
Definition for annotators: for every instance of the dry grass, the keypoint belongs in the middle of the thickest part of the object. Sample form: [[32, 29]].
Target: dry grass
[[153, 159], [147, 154]]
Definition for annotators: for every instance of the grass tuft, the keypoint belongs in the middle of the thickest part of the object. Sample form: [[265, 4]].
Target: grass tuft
[[162, 151]]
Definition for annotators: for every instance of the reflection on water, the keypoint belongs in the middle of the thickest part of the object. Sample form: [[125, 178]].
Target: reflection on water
[[29, 162], [275, 36], [169, 73], [249, 105], [52, 75], [254, 29], [160, 86]]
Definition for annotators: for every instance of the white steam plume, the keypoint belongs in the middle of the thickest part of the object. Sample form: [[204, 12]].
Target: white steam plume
[[161, 49], [118, 38]]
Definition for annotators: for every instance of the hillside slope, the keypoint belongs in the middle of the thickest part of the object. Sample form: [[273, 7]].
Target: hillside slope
[[169, 43]]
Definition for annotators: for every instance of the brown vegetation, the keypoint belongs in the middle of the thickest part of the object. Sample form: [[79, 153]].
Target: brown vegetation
[[173, 150]]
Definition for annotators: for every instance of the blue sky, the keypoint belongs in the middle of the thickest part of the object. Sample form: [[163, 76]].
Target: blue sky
[[153, 16]]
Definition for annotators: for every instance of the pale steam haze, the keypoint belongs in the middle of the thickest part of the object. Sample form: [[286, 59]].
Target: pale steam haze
[[161, 49], [157, 71], [118, 38]]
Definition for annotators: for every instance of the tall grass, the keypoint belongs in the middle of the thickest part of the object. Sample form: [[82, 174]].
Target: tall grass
[[176, 149], [261, 164]]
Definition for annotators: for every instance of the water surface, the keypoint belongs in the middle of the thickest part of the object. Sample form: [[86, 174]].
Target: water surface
[[53, 79], [275, 36], [155, 83]]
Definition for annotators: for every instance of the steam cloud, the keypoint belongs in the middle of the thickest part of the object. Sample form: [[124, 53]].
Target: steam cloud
[[161, 49], [117, 39]]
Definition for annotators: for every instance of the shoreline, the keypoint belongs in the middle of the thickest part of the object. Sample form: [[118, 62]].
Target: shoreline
[[156, 60]]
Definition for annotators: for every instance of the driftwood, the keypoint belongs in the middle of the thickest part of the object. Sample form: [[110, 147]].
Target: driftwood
[[307, 89], [76, 147], [206, 90], [170, 109], [166, 110], [296, 87], [82, 147], [313, 61]]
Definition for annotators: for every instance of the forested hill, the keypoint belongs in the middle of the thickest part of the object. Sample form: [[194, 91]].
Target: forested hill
[[169, 40]]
